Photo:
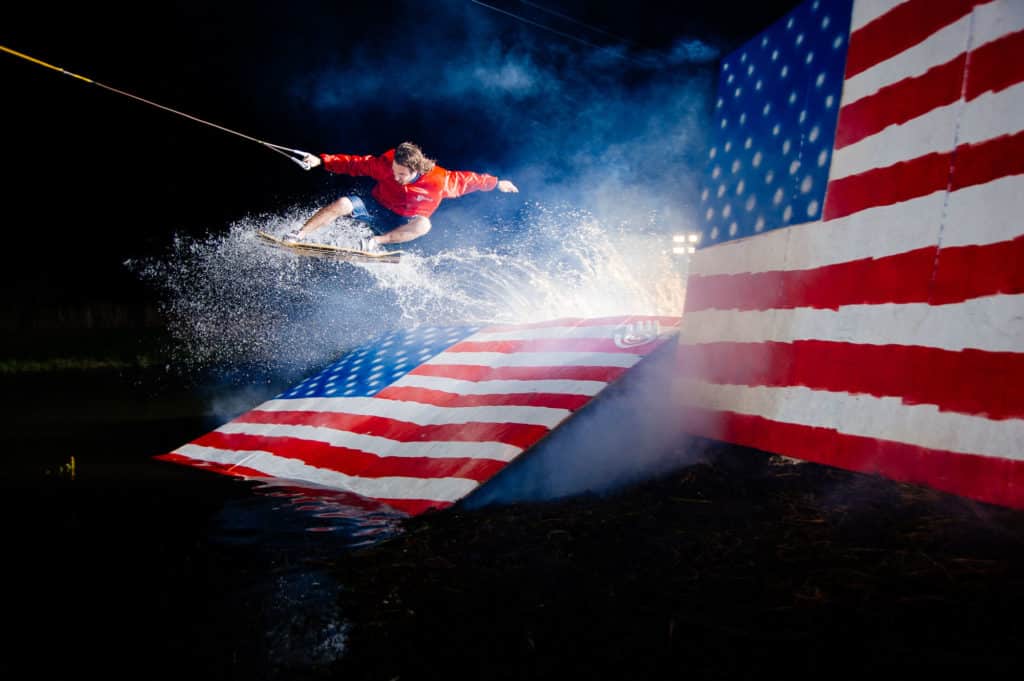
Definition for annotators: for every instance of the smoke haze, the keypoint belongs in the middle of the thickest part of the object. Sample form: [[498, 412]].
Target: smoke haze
[[598, 114]]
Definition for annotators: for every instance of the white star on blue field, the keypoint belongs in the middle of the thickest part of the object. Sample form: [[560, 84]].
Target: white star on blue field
[[368, 369], [774, 125]]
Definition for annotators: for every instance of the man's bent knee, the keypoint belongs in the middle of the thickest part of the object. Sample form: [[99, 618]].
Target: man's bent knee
[[419, 226], [341, 207]]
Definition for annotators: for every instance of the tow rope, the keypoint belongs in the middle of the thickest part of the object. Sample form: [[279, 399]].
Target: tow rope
[[295, 155]]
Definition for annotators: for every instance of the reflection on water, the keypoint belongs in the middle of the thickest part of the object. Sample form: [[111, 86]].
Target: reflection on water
[[134, 568], [298, 531], [289, 512]]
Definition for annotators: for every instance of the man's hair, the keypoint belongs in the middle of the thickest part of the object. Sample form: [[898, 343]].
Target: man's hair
[[411, 156]]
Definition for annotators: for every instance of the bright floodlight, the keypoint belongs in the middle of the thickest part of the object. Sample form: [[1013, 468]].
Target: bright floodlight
[[694, 237], [679, 238]]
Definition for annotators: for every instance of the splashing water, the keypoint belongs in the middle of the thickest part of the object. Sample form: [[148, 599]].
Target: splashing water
[[232, 301]]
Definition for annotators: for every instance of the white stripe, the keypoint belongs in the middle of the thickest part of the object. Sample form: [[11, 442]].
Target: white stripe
[[420, 414], [885, 418], [993, 114], [432, 489], [872, 233], [929, 133], [977, 215], [373, 444], [985, 213], [988, 116], [458, 387], [866, 11], [742, 255], [993, 324], [536, 359], [940, 47], [995, 20]]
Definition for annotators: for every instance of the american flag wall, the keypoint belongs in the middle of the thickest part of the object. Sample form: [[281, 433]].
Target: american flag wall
[[858, 297], [420, 418]]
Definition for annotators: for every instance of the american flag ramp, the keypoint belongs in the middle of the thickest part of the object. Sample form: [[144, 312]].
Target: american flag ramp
[[420, 418]]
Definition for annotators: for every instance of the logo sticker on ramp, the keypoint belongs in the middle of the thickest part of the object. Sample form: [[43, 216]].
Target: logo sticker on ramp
[[637, 333]]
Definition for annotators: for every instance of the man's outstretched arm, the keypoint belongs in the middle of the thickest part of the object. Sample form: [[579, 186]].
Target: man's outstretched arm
[[462, 182]]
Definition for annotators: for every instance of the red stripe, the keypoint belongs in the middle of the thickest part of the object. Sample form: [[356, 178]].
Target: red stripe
[[973, 271], [967, 381], [552, 345], [416, 506], [354, 462], [885, 186], [518, 434], [925, 275], [409, 506], [902, 278], [989, 160], [900, 102], [325, 502], [984, 478], [972, 164], [995, 66], [899, 29], [475, 372], [212, 466], [440, 398]]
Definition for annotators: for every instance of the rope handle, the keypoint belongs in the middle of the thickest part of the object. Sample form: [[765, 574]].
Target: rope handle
[[304, 162], [297, 156]]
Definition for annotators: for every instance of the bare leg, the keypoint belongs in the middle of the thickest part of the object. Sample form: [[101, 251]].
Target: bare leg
[[326, 215], [413, 229]]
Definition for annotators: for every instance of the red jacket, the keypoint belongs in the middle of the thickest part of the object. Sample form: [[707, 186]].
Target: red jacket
[[421, 197]]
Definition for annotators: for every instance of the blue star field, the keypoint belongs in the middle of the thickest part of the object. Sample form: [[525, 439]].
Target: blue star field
[[774, 124]]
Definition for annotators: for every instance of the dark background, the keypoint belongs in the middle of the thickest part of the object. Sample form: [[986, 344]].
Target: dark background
[[598, 104], [739, 566]]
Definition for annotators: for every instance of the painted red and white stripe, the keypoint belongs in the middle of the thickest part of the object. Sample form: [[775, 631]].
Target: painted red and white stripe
[[419, 419], [888, 336]]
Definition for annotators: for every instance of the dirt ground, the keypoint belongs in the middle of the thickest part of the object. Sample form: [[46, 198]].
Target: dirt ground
[[741, 566]]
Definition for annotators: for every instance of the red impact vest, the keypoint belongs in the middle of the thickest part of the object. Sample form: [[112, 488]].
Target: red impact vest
[[421, 197]]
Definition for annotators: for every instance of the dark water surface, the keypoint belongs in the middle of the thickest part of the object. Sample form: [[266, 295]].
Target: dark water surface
[[739, 566], [121, 565]]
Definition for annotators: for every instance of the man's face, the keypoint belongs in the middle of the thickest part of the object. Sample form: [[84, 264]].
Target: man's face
[[403, 174]]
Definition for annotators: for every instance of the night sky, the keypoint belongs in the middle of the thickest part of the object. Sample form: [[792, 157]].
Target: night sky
[[601, 105]]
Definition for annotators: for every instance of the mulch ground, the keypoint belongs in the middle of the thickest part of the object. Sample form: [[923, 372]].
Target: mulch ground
[[742, 566]]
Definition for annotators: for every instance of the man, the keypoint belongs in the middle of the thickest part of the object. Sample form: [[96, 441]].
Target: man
[[409, 189]]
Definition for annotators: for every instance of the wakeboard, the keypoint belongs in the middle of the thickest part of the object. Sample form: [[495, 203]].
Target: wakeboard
[[329, 251]]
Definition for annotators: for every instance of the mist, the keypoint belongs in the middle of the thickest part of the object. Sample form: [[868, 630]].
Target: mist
[[633, 431], [613, 130], [606, 145]]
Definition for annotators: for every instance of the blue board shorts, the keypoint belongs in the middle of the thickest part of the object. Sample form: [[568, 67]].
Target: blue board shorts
[[380, 219]]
